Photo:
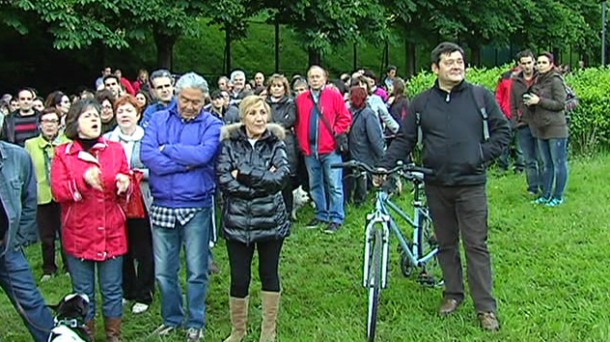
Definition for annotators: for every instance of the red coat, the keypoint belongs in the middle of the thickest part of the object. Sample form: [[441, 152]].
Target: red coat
[[503, 93], [93, 221], [333, 108]]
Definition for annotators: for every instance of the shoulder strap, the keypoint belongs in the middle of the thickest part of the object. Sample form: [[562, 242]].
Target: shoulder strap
[[478, 93], [320, 114]]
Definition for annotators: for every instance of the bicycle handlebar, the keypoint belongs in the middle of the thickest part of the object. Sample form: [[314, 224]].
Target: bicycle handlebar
[[354, 164]]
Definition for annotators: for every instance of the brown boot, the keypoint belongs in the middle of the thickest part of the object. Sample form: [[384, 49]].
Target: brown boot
[[239, 318], [271, 305], [90, 327], [113, 329]]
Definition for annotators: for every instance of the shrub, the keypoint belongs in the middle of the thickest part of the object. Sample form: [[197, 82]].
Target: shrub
[[589, 122]]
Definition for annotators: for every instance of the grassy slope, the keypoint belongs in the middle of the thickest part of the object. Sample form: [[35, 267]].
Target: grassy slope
[[550, 267]]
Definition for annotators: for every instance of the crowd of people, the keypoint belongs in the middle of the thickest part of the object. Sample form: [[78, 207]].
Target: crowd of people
[[127, 182]]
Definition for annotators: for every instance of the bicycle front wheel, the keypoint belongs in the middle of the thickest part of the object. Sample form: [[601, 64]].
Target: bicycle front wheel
[[375, 278]]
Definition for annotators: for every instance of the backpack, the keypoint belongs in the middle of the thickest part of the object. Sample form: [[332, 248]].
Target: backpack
[[478, 94], [571, 99]]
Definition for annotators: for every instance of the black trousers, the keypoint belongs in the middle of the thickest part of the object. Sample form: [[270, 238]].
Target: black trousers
[[462, 211], [240, 261], [48, 218], [287, 195], [138, 263]]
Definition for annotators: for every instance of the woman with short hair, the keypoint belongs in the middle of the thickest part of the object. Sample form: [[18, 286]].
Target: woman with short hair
[[89, 179], [252, 170], [138, 263]]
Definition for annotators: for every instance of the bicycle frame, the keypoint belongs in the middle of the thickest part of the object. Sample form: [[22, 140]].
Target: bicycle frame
[[380, 218]]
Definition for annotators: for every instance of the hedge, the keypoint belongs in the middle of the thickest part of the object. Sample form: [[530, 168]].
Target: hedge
[[589, 122]]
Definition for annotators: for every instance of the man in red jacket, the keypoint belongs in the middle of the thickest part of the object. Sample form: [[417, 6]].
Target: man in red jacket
[[323, 121], [503, 97]]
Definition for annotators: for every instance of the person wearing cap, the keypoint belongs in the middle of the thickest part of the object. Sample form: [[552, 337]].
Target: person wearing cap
[[179, 148]]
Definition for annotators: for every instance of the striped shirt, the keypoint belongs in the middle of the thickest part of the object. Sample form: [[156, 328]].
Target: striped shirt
[[24, 127]]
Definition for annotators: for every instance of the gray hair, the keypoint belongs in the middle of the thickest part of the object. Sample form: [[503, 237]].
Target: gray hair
[[237, 73], [161, 73], [192, 80]]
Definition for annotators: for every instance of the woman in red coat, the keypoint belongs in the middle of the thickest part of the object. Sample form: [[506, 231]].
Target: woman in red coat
[[89, 179]]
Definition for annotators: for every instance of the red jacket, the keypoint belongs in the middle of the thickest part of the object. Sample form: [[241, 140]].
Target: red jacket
[[93, 223], [503, 92], [336, 112], [127, 85]]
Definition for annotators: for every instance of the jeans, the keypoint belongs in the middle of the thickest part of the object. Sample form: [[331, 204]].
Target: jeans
[[531, 153], [17, 281], [462, 211], [240, 260], [513, 148], [167, 243], [110, 278], [326, 187], [554, 156]]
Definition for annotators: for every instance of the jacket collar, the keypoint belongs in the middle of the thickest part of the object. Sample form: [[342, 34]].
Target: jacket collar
[[458, 88], [42, 142], [75, 147]]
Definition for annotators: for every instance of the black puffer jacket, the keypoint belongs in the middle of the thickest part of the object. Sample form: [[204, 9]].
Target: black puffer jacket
[[284, 113], [253, 207]]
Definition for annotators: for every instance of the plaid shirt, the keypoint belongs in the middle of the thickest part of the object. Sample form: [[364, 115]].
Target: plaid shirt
[[166, 217]]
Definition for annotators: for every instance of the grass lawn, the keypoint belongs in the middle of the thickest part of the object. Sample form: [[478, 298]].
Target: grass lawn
[[550, 265]]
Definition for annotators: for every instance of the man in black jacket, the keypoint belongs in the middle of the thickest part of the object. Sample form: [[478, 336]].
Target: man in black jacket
[[457, 144]]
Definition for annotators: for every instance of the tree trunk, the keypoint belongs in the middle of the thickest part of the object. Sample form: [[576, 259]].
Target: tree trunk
[[475, 55], [315, 57], [228, 57], [165, 49], [411, 59]]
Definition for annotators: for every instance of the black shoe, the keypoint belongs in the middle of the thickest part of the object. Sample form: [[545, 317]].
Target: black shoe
[[332, 228], [314, 223]]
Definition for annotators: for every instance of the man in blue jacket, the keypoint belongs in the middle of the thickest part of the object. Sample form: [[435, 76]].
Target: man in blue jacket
[[179, 148], [18, 201], [163, 85]]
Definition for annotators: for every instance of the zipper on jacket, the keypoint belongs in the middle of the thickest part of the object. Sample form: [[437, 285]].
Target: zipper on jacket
[[448, 97]]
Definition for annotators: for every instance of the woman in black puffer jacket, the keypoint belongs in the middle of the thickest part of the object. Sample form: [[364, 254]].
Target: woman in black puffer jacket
[[283, 112], [252, 170]]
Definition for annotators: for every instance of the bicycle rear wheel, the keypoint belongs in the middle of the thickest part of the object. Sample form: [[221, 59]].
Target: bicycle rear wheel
[[375, 274], [431, 275]]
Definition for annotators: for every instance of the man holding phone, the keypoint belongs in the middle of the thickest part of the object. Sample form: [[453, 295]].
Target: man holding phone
[[520, 97]]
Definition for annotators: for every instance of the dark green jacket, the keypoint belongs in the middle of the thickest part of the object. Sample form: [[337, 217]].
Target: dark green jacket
[[548, 116]]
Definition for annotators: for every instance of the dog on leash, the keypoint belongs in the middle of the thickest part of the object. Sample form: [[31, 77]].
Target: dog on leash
[[300, 198], [70, 315]]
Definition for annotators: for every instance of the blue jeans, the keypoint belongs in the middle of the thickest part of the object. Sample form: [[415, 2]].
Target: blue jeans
[[531, 154], [18, 283], [326, 187], [513, 148], [554, 156], [110, 278], [167, 243]]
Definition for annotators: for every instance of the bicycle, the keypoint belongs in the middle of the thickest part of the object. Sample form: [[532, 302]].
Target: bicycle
[[419, 252]]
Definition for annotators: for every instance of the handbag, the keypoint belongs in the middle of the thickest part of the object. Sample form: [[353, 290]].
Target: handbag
[[134, 205]]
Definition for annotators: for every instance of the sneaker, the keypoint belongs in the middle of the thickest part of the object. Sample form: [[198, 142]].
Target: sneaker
[[138, 308], [314, 223], [125, 301], [163, 330], [194, 335], [554, 202], [46, 277], [540, 200], [332, 228]]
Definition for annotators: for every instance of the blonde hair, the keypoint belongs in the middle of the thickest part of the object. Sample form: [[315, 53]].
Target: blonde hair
[[277, 78], [249, 102]]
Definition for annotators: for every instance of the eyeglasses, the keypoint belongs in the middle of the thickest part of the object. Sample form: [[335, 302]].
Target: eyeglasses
[[50, 121]]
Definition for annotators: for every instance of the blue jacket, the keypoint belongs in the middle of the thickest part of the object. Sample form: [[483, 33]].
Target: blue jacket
[[180, 156], [18, 196], [152, 109]]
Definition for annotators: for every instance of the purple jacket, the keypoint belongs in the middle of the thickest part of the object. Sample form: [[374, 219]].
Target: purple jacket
[[181, 156], [381, 93]]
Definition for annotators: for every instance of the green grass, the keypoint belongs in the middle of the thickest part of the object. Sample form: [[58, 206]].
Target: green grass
[[550, 265]]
